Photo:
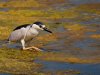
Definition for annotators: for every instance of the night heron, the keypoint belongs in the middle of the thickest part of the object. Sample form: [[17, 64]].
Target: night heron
[[27, 32]]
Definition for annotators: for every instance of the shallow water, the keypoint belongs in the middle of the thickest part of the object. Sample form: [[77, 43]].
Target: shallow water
[[84, 69], [4, 0], [4, 9], [5, 74], [83, 1], [86, 44]]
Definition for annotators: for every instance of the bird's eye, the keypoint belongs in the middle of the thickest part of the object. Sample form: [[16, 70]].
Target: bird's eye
[[40, 26]]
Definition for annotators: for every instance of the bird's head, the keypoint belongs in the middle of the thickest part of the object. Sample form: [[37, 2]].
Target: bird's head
[[40, 26]]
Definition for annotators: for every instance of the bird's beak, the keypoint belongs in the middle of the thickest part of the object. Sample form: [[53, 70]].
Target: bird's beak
[[46, 29]]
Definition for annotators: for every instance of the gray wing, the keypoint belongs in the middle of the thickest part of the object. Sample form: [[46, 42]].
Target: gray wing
[[17, 35]]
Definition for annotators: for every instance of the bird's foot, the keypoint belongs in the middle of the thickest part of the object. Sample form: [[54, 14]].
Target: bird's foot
[[30, 48]]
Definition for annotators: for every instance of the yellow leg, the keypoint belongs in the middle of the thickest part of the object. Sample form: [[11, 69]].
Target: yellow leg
[[30, 48]]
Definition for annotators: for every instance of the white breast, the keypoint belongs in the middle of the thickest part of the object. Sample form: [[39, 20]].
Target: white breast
[[31, 33]]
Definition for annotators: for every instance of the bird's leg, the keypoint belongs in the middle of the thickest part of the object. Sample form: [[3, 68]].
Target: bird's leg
[[23, 45], [36, 48]]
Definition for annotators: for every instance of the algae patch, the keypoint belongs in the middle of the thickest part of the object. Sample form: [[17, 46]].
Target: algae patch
[[17, 61]]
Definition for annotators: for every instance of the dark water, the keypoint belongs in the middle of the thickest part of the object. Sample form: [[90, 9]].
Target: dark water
[[86, 44], [4, 9], [5, 74], [4, 0], [84, 69], [83, 1]]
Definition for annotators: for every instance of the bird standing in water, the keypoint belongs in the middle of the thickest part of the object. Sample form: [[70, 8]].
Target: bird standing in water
[[27, 32]]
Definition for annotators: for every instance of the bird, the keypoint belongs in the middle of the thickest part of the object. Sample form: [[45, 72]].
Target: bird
[[26, 32]]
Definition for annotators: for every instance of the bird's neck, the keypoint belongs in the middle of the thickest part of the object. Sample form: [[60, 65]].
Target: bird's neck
[[34, 31]]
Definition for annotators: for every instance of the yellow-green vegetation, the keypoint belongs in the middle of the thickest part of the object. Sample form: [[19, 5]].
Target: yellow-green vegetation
[[62, 57], [75, 27], [17, 61], [92, 8], [20, 3], [79, 30], [30, 3], [97, 36], [34, 14]]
